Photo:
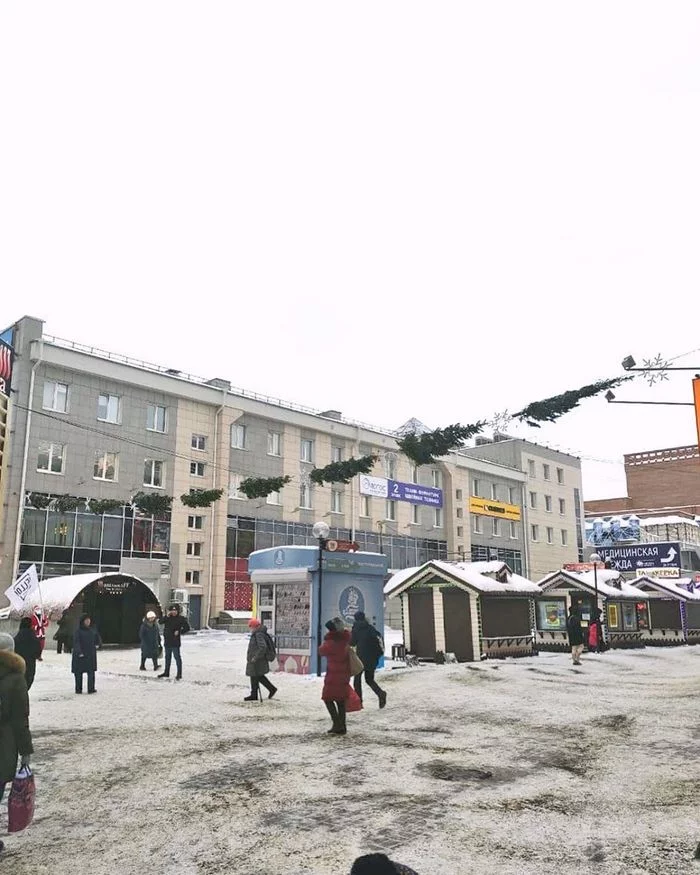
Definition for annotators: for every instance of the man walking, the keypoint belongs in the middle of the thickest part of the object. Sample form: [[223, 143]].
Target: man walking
[[174, 627], [261, 652], [368, 643], [573, 627]]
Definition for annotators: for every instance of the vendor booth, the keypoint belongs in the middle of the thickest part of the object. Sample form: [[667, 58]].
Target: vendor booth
[[474, 610], [624, 608], [674, 610], [292, 599]]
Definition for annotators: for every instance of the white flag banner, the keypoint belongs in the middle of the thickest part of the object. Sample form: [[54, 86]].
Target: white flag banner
[[23, 588]]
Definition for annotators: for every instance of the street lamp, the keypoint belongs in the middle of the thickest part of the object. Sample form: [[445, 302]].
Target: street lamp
[[321, 531], [595, 559]]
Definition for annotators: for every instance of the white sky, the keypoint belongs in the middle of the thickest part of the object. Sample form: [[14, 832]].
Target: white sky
[[391, 208]]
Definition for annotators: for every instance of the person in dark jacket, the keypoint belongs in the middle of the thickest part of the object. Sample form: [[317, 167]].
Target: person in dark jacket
[[336, 683], [84, 661], [174, 627], [149, 635], [379, 864], [15, 737], [575, 630], [64, 633], [261, 651], [368, 643], [28, 647], [596, 641]]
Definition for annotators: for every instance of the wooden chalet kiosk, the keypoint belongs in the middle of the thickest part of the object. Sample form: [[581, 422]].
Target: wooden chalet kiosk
[[624, 608], [476, 610], [674, 610]]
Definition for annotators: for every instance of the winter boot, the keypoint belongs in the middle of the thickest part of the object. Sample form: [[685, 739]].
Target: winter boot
[[164, 675], [382, 699], [340, 728]]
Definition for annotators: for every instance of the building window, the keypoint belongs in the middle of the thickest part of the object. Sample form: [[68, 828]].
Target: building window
[[238, 437], [512, 529], [496, 527], [512, 495], [197, 469], [234, 492], [477, 524], [476, 488], [458, 495], [460, 513], [305, 496], [307, 450], [55, 396], [156, 418], [531, 467], [460, 531], [274, 443], [548, 503], [550, 535], [199, 442], [51, 458], [533, 500], [390, 467], [391, 511], [437, 478], [414, 473], [153, 473], [195, 522], [560, 475], [194, 548], [106, 466], [535, 533], [562, 506], [364, 506], [192, 577], [438, 518], [546, 472], [336, 501], [494, 492], [564, 538], [415, 514], [336, 454], [274, 498], [109, 408]]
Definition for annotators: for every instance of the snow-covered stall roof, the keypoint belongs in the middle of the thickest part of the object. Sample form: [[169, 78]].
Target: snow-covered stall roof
[[672, 520], [464, 574], [676, 587], [58, 593], [620, 589]]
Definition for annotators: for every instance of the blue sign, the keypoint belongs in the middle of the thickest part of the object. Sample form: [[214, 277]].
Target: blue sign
[[415, 493], [666, 554], [350, 602]]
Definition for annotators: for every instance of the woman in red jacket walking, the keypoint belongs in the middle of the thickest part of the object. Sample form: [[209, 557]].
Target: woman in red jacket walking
[[336, 684]]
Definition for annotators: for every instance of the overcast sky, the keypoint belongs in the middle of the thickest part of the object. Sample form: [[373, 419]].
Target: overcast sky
[[395, 209]]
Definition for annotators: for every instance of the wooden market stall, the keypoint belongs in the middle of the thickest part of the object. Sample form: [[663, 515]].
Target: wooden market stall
[[674, 610], [474, 610]]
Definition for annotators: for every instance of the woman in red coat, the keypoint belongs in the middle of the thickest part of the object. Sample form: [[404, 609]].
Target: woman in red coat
[[336, 684]]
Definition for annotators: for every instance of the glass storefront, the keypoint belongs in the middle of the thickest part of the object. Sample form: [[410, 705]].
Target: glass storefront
[[513, 558]]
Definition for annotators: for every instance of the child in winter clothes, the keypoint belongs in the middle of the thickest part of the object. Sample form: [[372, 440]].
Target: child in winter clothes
[[336, 684]]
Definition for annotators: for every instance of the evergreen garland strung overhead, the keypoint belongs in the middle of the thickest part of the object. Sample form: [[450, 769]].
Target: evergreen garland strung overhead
[[552, 408], [104, 505], [343, 472], [261, 487], [424, 449], [201, 497], [152, 503]]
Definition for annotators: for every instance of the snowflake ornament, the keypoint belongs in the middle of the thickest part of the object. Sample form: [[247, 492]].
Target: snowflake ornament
[[655, 369]]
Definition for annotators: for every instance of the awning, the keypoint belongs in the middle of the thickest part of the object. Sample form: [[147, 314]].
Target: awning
[[59, 593]]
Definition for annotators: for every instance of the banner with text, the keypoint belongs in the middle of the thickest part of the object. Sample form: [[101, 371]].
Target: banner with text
[[23, 588], [485, 507], [394, 490]]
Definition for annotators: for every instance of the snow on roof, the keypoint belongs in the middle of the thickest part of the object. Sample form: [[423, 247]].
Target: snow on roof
[[58, 593], [675, 586], [606, 587], [667, 521], [398, 578], [470, 574]]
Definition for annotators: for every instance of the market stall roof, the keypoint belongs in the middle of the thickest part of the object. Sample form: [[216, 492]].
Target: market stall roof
[[610, 583], [58, 593], [675, 587], [465, 575]]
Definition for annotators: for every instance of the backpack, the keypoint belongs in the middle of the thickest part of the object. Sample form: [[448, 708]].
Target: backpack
[[271, 652]]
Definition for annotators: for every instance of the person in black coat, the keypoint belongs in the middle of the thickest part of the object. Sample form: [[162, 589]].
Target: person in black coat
[[64, 633], [575, 631], [149, 635], [368, 643], [174, 627], [85, 644], [28, 647]]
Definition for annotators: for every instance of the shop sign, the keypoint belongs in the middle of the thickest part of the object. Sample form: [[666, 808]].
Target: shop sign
[[395, 490], [494, 508], [113, 587], [662, 572], [644, 557]]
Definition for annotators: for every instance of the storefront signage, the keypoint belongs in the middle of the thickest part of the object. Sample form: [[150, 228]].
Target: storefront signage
[[342, 546], [5, 367], [394, 490], [494, 508], [662, 572], [645, 557], [350, 602]]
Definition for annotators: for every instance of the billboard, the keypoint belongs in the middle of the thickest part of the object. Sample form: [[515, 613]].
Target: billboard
[[394, 490], [6, 360], [664, 557], [485, 507]]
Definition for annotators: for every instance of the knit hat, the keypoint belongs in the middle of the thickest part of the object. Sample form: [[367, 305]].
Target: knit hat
[[335, 625], [360, 615], [7, 642], [150, 615], [253, 623]]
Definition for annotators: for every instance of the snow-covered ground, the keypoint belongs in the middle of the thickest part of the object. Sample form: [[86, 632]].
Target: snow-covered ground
[[524, 766]]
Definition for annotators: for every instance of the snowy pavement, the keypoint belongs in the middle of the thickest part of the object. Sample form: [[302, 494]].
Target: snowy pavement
[[523, 766]]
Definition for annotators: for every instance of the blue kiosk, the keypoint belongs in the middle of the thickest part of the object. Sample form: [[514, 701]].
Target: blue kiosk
[[288, 590]]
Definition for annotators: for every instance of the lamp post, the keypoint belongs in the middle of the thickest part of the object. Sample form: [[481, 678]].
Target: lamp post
[[595, 559], [321, 531]]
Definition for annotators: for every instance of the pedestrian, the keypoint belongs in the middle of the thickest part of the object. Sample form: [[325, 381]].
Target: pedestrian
[[368, 643], [379, 864], [261, 652], [174, 627], [27, 646], [40, 624], [149, 635], [596, 642], [336, 684], [84, 661], [573, 627], [64, 633], [15, 737]]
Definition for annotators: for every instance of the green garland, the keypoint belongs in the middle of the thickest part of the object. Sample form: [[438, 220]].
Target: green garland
[[65, 503], [152, 503], [105, 505], [424, 449], [261, 487], [343, 472], [39, 501], [201, 498], [552, 408]]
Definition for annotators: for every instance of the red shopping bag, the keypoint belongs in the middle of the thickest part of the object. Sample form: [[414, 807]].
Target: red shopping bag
[[353, 701], [20, 806]]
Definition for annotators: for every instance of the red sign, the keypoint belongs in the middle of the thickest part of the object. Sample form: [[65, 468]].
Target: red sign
[[341, 546]]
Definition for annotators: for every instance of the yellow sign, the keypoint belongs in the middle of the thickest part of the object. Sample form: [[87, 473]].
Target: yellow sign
[[494, 508]]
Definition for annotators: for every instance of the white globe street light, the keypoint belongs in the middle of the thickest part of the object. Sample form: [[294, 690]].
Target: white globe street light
[[321, 530]]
